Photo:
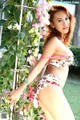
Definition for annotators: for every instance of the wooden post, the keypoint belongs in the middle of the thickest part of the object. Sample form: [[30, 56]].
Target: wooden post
[[16, 60]]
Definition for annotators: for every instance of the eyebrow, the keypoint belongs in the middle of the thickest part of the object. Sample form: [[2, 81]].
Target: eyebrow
[[61, 18]]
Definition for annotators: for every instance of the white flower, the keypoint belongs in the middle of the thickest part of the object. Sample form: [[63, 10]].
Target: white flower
[[35, 103], [10, 26], [30, 51], [39, 55], [36, 43], [3, 50], [35, 53], [21, 112], [1, 55], [16, 26], [31, 60]]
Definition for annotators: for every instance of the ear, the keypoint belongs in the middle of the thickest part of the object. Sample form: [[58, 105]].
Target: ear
[[52, 25]]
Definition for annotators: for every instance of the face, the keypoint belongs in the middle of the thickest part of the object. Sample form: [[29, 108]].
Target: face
[[61, 22]]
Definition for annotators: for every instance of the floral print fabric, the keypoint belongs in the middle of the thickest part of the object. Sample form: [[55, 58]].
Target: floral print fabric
[[46, 80], [62, 62]]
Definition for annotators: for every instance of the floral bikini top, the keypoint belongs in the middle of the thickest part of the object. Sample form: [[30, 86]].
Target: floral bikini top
[[66, 61]]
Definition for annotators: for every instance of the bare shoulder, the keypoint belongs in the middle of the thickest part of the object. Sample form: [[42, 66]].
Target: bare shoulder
[[51, 47], [56, 42], [52, 43], [49, 50], [53, 40]]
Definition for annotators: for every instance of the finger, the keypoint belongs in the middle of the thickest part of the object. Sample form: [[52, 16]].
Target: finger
[[13, 101], [11, 92], [12, 98]]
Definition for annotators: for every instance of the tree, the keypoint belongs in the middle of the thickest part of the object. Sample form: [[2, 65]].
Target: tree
[[76, 39]]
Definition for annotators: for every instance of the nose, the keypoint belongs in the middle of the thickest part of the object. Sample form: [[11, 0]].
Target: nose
[[65, 23]]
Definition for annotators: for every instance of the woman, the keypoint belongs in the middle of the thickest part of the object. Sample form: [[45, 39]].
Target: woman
[[56, 57]]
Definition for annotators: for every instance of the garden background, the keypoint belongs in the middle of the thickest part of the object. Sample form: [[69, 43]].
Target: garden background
[[20, 42]]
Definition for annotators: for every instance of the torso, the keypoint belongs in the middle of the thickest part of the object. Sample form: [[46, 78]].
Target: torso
[[59, 71]]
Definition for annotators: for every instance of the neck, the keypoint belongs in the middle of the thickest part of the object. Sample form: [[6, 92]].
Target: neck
[[63, 37]]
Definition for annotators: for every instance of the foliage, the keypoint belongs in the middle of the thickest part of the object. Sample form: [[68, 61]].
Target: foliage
[[22, 43], [11, 36], [76, 52], [75, 68]]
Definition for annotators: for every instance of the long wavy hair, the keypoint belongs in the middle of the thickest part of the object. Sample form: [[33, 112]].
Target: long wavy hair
[[52, 32]]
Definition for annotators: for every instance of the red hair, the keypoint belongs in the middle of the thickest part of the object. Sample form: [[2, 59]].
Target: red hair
[[52, 32]]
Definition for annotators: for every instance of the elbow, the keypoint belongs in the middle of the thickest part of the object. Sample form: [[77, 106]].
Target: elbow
[[38, 69]]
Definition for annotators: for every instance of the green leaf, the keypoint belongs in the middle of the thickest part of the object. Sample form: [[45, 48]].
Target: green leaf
[[1, 2], [21, 35], [2, 22]]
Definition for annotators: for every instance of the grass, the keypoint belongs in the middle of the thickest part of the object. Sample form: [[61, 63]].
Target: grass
[[72, 93]]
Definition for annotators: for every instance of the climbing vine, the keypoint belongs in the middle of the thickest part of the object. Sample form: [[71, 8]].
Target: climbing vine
[[24, 43]]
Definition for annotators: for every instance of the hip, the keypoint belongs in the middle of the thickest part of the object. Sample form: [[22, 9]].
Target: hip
[[61, 73]]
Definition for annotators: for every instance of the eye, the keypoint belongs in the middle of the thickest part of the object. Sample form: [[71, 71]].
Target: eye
[[59, 20], [67, 18]]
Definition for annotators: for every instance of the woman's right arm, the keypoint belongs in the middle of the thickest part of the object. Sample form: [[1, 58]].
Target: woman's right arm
[[49, 50]]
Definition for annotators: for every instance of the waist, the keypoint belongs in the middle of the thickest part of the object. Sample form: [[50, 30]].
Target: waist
[[63, 71]]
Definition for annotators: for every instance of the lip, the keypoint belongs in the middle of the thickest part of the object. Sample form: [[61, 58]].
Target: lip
[[65, 28]]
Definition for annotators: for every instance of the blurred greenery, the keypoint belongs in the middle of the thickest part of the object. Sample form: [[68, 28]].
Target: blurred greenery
[[72, 93], [76, 52], [18, 43], [75, 68]]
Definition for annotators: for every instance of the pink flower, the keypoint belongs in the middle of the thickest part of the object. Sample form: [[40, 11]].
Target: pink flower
[[43, 116], [35, 25], [23, 96], [42, 13], [42, 32], [27, 107], [31, 88], [39, 16], [31, 93], [38, 10], [34, 60], [44, 5], [41, 19]]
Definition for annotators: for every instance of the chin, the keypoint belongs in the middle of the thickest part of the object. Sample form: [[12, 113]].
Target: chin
[[66, 31]]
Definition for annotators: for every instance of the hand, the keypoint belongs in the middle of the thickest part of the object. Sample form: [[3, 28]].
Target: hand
[[14, 96]]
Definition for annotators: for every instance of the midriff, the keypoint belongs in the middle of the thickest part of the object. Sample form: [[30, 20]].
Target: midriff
[[62, 72]]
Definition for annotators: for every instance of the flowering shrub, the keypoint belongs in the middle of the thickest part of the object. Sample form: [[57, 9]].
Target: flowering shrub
[[43, 17], [26, 52], [26, 107], [42, 12]]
